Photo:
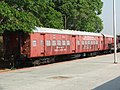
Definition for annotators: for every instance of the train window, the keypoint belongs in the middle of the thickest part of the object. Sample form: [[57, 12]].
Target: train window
[[59, 42], [78, 42], [34, 43], [41, 42], [48, 43], [88, 42], [54, 43], [82, 42], [63, 42], [96, 42], [68, 42]]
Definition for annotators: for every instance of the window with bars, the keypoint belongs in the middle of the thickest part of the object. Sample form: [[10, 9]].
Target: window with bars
[[34, 43], [82, 42], [78, 42], [59, 42], [48, 43], [63, 42], [68, 43], [54, 43]]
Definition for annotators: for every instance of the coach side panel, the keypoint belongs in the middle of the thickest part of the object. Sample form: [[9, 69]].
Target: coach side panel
[[45, 44], [37, 45], [90, 43], [58, 44]]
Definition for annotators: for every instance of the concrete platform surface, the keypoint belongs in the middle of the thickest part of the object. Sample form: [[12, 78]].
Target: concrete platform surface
[[94, 73]]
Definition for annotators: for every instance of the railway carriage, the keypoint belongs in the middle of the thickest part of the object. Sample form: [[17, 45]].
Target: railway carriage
[[108, 43], [118, 42], [45, 45], [61, 42]]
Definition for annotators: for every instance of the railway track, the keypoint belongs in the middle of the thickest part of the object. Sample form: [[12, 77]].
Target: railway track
[[4, 69]]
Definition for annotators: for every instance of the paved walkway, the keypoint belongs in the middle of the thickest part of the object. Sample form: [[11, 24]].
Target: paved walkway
[[95, 73]]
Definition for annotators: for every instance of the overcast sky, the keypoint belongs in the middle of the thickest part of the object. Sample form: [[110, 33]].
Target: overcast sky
[[107, 16]]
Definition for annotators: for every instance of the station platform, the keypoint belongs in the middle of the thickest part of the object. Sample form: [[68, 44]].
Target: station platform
[[93, 73]]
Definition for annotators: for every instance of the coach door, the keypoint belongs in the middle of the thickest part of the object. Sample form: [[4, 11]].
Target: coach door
[[42, 44], [99, 44], [73, 46]]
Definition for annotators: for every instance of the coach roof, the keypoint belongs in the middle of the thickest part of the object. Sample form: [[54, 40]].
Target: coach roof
[[61, 31], [106, 35]]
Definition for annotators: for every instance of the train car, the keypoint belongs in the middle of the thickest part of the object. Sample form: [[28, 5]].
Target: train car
[[108, 43], [89, 43], [45, 45], [61, 42], [118, 43]]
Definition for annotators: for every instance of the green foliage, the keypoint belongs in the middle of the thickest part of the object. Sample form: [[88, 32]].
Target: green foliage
[[81, 14], [24, 15], [12, 19], [41, 9]]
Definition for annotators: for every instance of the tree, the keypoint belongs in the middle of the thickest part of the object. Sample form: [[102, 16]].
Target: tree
[[13, 19], [81, 14], [24, 15], [41, 9]]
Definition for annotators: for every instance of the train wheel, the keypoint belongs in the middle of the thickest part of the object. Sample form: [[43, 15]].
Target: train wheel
[[36, 63]]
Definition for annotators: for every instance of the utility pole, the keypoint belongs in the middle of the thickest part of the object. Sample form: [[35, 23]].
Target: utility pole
[[114, 30]]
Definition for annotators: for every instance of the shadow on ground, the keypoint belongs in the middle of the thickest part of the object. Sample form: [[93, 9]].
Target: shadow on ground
[[111, 85]]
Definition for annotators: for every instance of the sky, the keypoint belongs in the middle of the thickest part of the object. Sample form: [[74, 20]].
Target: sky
[[107, 16]]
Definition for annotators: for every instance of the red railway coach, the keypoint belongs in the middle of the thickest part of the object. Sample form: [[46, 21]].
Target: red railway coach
[[50, 42], [108, 42], [118, 42], [45, 45]]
